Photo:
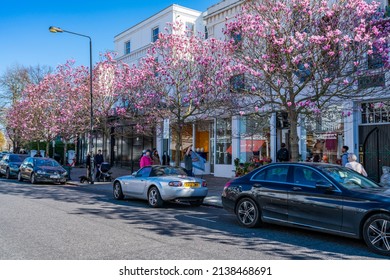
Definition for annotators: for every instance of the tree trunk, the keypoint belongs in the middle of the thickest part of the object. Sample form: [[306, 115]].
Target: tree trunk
[[65, 151], [294, 139], [178, 144], [47, 148]]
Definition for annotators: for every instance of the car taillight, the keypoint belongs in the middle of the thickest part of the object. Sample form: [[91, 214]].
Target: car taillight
[[227, 185], [204, 184], [175, 184]]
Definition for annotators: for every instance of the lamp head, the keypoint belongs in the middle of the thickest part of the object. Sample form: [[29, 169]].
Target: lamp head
[[54, 29]]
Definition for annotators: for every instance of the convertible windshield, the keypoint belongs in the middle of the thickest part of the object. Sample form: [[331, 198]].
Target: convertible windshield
[[349, 178], [168, 170], [46, 162]]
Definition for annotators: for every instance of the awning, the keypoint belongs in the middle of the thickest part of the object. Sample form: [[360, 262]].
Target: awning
[[248, 146]]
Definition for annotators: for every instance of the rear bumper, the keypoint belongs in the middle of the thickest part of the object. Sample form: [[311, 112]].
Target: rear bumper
[[184, 194], [46, 179]]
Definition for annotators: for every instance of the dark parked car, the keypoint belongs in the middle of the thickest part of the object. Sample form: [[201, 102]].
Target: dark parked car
[[38, 169], [10, 163], [323, 197]]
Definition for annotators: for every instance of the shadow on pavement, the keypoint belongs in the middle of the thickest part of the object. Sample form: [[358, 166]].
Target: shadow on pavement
[[194, 223]]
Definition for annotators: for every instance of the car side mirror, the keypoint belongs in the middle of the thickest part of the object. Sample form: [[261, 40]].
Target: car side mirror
[[325, 186], [134, 174]]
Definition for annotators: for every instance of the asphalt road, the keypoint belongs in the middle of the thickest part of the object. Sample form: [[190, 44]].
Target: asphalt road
[[70, 222]]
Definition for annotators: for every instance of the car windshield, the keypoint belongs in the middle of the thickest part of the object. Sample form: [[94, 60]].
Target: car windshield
[[46, 162], [168, 170], [349, 178], [17, 158]]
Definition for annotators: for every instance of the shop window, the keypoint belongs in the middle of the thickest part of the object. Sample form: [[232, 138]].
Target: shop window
[[224, 141], [375, 112], [255, 139]]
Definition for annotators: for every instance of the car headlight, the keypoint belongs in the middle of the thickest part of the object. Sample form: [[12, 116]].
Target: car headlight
[[175, 184], [41, 172], [65, 173]]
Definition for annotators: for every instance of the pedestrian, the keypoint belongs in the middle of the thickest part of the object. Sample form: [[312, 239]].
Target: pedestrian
[[88, 165], [38, 154], [98, 161], [344, 156], [283, 154], [354, 165], [156, 157], [146, 159], [166, 159], [188, 161]]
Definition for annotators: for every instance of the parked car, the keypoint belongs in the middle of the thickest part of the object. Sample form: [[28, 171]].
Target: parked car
[[322, 197], [158, 183], [38, 169], [10, 163]]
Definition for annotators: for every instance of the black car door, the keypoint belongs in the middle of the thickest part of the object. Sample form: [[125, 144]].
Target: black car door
[[311, 203], [270, 187]]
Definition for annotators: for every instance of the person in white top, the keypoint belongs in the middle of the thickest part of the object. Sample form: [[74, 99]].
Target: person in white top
[[353, 164]]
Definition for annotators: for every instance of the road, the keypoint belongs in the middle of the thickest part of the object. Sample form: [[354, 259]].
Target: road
[[53, 222]]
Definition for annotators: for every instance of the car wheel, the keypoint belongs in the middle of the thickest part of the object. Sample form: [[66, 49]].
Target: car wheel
[[33, 179], [118, 194], [376, 233], [154, 198], [196, 203], [20, 178], [248, 213], [7, 174]]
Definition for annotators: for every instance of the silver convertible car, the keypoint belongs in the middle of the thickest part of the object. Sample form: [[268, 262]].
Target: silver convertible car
[[159, 183]]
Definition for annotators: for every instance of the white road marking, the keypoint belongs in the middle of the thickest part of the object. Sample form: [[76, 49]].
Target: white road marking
[[203, 219]]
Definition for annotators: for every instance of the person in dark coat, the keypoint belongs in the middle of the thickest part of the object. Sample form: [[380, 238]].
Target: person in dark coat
[[88, 164], [283, 154], [98, 161], [38, 154], [166, 159]]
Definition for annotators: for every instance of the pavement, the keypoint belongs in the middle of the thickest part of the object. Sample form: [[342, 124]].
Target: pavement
[[214, 184]]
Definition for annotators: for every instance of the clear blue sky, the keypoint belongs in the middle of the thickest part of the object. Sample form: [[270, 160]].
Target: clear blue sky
[[26, 40]]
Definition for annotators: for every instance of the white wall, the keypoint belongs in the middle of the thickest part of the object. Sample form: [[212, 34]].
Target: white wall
[[140, 35]]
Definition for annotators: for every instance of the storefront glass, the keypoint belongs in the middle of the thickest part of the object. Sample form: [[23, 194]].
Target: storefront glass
[[324, 136], [255, 139], [224, 141]]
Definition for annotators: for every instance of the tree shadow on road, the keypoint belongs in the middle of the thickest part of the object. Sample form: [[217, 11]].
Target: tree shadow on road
[[189, 224]]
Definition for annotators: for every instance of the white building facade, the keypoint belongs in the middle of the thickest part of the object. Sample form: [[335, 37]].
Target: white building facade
[[364, 125]]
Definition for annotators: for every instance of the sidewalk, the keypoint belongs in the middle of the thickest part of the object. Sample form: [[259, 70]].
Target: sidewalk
[[214, 184]]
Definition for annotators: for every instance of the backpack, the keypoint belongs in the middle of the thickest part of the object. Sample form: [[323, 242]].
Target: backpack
[[283, 154]]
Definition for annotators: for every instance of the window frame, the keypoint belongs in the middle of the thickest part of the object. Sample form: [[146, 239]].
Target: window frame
[[155, 36], [127, 47]]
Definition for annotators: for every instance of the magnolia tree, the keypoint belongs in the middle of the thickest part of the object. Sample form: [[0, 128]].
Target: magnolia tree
[[71, 90], [304, 55], [184, 78], [55, 106], [108, 80]]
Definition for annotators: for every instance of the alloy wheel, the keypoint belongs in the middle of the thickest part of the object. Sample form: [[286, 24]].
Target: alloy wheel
[[118, 194], [247, 213], [377, 233], [154, 198]]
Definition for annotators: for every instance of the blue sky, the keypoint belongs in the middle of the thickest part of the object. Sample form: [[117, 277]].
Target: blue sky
[[26, 40]]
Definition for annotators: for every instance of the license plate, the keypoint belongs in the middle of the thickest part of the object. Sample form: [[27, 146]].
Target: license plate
[[191, 185], [54, 176]]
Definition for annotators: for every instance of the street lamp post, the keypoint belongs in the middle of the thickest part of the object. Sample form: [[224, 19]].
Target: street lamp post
[[54, 29]]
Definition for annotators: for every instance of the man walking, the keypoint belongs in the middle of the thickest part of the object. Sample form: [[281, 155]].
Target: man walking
[[344, 156]]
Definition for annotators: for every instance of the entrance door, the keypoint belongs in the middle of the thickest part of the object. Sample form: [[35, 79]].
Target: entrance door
[[374, 149]]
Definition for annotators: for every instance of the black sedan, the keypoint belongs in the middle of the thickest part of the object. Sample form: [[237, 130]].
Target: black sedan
[[38, 169], [323, 197], [10, 163]]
